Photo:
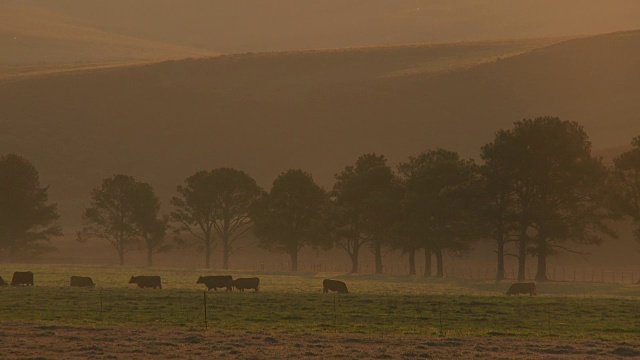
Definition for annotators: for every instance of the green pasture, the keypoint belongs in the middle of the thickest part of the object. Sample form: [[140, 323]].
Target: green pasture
[[294, 302]]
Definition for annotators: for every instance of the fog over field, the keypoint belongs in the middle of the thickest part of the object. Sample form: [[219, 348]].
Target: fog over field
[[159, 89]]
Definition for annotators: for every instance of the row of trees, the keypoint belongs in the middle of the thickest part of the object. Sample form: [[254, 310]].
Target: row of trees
[[538, 187]]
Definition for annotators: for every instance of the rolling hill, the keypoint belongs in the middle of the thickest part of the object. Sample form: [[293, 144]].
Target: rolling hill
[[280, 25], [34, 40], [315, 110]]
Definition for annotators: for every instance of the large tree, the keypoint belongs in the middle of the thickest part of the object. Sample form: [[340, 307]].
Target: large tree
[[626, 180], [557, 187], [27, 221], [436, 203], [366, 198], [122, 211], [236, 192], [495, 208], [292, 215], [215, 205]]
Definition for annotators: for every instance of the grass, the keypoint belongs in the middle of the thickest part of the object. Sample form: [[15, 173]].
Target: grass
[[294, 303]]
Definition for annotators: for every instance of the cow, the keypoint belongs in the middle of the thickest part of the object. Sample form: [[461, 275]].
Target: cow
[[215, 282], [334, 285], [246, 283], [522, 288], [22, 278], [81, 281], [2, 282], [146, 281]]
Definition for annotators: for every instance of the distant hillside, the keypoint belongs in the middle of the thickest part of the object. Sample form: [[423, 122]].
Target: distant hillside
[[34, 39], [316, 110], [257, 25]]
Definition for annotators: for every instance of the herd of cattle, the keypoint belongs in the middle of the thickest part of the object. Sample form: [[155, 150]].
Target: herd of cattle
[[223, 282]]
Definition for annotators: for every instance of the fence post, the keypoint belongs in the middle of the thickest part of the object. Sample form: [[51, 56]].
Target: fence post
[[206, 325], [100, 304]]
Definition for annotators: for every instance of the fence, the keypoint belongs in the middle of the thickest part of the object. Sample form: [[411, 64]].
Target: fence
[[390, 313], [554, 273]]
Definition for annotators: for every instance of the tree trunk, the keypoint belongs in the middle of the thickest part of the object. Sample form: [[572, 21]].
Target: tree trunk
[[294, 260], [412, 262], [541, 273], [207, 255], [149, 256], [522, 252], [439, 263], [427, 262], [354, 259], [226, 249], [121, 255], [378, 255], [500, 271]]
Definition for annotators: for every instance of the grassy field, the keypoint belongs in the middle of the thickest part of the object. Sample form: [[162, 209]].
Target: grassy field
[[399, 305]]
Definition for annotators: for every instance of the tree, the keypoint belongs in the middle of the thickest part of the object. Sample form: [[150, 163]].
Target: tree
[[153, 231], [367, 198], [236, 193], [495, 208], [558, 187], [292, 215], [27, 221], [436, 203], [626, 180], [122, 211], [214, 204]]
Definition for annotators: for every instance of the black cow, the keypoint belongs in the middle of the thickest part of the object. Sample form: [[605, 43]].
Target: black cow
[[522, 288], [81, 281], [146, 281], [2, 282], [334, 285], [246, 283], [22, 278], [215, 282]]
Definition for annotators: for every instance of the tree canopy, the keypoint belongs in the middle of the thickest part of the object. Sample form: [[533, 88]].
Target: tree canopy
[[122, 211], [556, 185], [436, 202], [292, 215], [626, 180], [367, 199], [27, 220]]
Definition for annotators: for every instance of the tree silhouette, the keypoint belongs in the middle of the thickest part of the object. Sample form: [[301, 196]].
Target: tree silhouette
[[214, 204], [558, 188], [27, 221], [367, 199], [436, 203], [122, 211], [292, 215], [626, 179]]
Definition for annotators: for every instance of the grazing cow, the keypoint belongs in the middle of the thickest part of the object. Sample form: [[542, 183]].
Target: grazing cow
[[146, 281], [82, 281], [522, 288], [334, 285], [215, 282], [22, 278], [2, 282], [246, 283]]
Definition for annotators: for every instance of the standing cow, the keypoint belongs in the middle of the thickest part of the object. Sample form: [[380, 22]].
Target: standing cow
[[22, 278], [146, 281], [215, 282], [522, 288], [334, 285], [246, 283], [81, 281]]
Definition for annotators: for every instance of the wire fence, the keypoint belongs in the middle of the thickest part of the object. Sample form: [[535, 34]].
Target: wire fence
[[380, 313], [554, 273]]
